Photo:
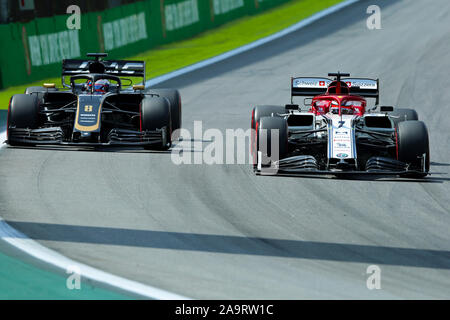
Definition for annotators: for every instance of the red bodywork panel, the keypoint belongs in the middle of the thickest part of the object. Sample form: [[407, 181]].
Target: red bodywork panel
[[346, 104], [337, 97]]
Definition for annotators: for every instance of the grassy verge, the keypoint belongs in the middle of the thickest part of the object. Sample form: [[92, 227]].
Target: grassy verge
[[167, 58], [23, 281]]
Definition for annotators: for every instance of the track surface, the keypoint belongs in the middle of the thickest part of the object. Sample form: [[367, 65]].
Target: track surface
[[220, 231]]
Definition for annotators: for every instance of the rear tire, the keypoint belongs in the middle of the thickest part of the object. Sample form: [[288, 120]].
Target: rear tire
[[264, 140], [23, 112], [413, 143], [403, 114], [174, 98], [265, 111], [39, 91], [155, 114]]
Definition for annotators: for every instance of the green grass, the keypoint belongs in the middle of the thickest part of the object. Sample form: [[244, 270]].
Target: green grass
[[23, 281], [167, 58]]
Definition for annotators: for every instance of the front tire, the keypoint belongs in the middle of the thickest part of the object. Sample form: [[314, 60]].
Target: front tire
[[259, 112], [413, 146], [23, 113], [155, 115], [265, 139]]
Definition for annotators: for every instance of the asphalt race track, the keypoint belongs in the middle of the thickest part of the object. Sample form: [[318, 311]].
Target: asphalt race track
[[219, 231]]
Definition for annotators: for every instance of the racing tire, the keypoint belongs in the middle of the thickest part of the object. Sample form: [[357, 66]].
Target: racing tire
[[259, 112], [265, 136], [413, 145], [174, 98], [38, 91], [265, 111], [23, 112], [155, 115], [403, 114]]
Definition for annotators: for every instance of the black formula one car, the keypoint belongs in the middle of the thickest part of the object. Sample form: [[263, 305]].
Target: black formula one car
[[337, 133], [95, 109]]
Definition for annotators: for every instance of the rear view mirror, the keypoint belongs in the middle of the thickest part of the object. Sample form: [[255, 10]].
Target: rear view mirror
[[307, 101], [292, 107], [138, 87], [386, 108]]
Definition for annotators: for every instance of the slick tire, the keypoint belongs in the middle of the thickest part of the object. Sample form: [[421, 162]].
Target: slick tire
[[272, 133], [403, 114], [265, 111], [259, 112], [174, 98], [413, 145], [23, 112], [155, 115], [38, 91]]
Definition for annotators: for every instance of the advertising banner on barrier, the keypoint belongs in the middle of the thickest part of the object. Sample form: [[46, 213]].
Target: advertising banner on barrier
[[34, 50]]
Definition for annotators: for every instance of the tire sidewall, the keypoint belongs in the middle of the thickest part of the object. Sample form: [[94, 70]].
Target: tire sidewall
[[257, 113], [23, 113], [155, 114], [265, 111], [174, 98], [269, 124], [403, 114], [413, 142], [39, 91]]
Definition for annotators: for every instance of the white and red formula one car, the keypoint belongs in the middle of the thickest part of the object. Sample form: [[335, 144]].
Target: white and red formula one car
[[337, 133]]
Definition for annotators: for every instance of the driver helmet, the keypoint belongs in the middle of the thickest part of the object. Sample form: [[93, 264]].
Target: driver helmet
[[101, 86]]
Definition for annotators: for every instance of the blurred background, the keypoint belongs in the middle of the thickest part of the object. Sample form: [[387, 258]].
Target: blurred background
[[26, 10], [39, 34]]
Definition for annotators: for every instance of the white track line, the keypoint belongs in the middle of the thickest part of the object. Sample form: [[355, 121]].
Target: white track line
[[36, 250], [2, 139]]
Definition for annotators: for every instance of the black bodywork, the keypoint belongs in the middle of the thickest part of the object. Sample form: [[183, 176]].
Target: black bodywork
[[77, 115]]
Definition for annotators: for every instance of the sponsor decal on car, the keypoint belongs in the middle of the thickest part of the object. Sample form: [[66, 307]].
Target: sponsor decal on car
[[342, 155], [362, 83], [310, 83], [341, 145]]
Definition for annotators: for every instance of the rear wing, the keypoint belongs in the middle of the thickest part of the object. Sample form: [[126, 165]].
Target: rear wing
[[308, 87], [113, 67], [369, 88], [313, 86], [120, 68]]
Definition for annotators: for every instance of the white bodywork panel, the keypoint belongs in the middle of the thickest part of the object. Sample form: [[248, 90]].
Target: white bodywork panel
[[341, 140]]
